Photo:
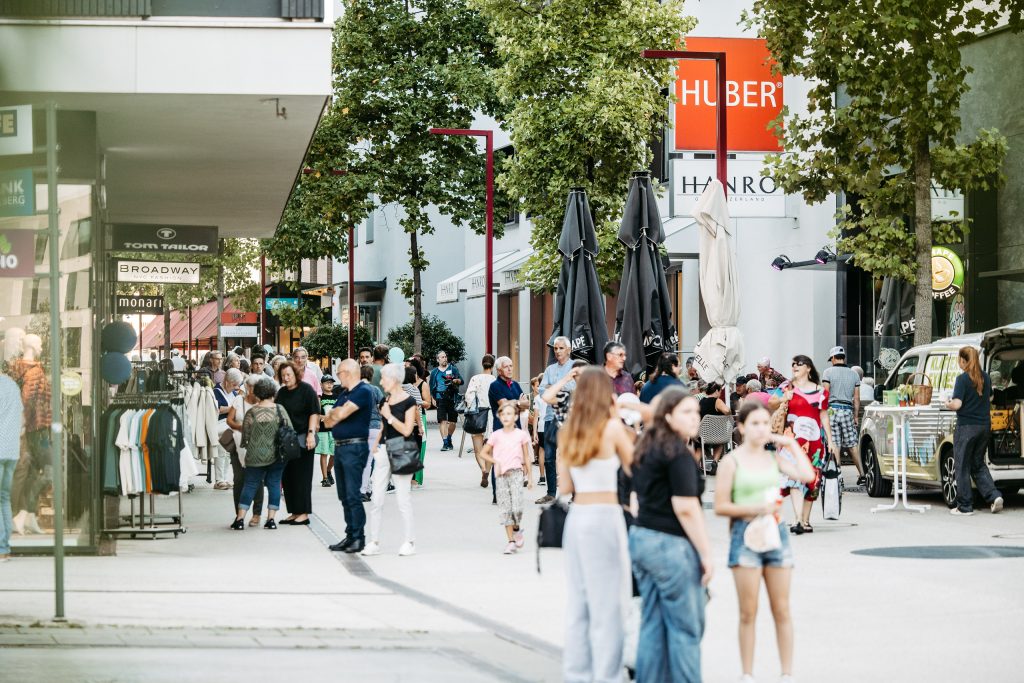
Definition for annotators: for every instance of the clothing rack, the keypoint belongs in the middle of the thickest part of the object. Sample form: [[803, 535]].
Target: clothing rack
[[157, 523]]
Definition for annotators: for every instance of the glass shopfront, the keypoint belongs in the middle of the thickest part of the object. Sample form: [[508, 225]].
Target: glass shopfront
[[46, 325]]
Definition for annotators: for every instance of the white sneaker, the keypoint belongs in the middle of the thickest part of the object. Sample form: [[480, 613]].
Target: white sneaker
[[510, 548], [997, 505], [747, 678], [786, 678], [408, 548], [372, 548], [518, 539], [960, 513]]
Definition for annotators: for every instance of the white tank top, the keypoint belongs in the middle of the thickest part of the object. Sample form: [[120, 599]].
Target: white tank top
[[597, 476]]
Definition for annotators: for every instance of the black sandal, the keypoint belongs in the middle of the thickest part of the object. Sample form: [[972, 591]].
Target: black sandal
[[808, 529], [270, 524], [238, 525], [797, 529]]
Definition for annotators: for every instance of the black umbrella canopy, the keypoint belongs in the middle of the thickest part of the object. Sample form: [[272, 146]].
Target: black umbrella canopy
[[643, 316], [895, 320], [579, 305]]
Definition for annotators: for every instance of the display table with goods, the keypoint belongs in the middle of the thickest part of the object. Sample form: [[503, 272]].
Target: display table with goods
[[900, 416]]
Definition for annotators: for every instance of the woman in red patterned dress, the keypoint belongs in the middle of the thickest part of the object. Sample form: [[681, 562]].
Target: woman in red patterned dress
[[808, 419]]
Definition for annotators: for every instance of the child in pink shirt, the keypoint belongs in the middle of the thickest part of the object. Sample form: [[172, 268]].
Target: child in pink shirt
[[509, 450]]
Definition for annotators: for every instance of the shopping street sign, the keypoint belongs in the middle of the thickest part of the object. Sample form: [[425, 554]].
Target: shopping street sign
[[17, 253], [16, 130], [17, 193], [187, 239], [158, 272], [137, 304]]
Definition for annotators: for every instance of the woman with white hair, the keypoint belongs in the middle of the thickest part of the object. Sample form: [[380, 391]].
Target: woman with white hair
[[401, 421], [225, 393]]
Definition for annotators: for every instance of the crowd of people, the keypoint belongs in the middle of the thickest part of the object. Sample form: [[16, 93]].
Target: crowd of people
[[626, 454]]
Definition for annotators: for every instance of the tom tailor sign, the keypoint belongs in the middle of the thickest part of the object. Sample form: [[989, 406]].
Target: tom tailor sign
[[198, 239], [158, 272]]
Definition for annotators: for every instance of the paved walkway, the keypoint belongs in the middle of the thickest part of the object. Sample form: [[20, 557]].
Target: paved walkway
[[461, 610]]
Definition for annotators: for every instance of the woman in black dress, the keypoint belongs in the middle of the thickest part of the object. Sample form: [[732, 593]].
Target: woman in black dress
[[303, 407]]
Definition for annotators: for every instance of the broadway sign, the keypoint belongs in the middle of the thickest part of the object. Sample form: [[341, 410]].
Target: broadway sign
[[195, 239], [158, 272]]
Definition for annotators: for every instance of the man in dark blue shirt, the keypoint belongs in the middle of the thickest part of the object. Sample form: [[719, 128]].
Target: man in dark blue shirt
[[444, 388], [350, 425]]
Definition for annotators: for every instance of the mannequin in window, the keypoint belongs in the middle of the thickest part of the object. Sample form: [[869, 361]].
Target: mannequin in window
[[12, 345], [33, 474]]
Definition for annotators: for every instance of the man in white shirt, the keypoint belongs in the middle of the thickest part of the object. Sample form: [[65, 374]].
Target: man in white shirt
[[177, 362]]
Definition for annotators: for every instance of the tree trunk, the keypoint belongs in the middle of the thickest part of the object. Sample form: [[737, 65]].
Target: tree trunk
[[923, 242], [417, 294], [221, 345], [167, 332]]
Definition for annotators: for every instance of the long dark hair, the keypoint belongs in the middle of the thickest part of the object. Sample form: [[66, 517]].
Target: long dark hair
[[666, 363], [421, 369], [659, 436], [812, 372]]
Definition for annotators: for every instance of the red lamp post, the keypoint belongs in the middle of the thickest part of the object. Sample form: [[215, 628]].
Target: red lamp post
[[488, 137], [721, 149]]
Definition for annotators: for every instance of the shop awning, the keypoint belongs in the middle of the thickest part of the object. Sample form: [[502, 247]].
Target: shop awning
[[1012, 274], [448, 290], [508, 277], [362, 286], [205, 325]]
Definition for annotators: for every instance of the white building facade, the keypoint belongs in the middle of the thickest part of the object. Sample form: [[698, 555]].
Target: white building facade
[[782, 313]]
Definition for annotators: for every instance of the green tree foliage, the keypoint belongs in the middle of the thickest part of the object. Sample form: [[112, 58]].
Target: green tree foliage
[[582, 103], [893, 129], [331, 341], [401, 67], [437, 336]]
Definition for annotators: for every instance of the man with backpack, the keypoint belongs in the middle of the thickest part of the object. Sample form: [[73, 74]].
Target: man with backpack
[[444, 388]]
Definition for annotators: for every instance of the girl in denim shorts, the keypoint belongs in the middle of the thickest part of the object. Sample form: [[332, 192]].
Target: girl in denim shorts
[[748, 492]]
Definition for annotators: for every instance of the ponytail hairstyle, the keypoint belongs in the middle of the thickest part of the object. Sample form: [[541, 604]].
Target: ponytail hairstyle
[[972, 366]]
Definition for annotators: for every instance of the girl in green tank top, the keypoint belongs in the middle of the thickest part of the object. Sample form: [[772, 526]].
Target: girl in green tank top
[[748, 492]]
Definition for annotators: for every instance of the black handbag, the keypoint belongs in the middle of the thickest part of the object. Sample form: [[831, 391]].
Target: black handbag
[[551, 527], [475, 421], [288, 446], [404, 455]]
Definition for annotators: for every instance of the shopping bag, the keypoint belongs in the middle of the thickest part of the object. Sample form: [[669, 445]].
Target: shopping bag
[[832, 490]]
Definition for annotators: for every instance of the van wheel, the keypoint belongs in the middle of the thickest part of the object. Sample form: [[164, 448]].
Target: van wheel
[[948, 473], [876, 486]]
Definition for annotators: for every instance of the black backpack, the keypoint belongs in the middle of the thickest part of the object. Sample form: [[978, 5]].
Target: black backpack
[[288, 446]]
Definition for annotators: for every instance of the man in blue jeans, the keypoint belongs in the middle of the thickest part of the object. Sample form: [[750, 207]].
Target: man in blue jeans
[[349, 421], [552, 375]]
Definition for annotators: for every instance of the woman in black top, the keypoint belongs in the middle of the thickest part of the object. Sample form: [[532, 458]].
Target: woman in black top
[[303, 407], [401, 419], [669, 544]]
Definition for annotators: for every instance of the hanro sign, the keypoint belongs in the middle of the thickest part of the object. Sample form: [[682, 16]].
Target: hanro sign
[[751, 193], [142, 305], [199, 239], [158, 272], [753, 97]]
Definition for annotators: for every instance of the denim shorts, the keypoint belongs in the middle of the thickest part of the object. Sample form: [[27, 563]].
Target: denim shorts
[[742, 556]]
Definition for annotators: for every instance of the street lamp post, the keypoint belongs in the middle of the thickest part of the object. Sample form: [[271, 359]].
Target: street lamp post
[[488, 137], [721, 149]]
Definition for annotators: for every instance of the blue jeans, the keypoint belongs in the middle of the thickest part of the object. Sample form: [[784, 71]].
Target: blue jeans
[[254, 478], [672, 623], [550, 451], [6, 521], [349, 463]]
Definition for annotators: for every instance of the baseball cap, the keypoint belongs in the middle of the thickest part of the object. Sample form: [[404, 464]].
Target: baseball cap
[[836, 351], [328, 378], [175, 352]]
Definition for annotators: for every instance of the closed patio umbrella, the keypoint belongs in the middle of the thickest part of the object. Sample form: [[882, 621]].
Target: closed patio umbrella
[[579, 305], [643, 315], [719, 355]]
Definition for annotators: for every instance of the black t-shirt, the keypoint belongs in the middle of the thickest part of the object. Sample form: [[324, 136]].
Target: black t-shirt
[[299, 403], [708, 406], [657, 477], [974, 409], [398, 411]]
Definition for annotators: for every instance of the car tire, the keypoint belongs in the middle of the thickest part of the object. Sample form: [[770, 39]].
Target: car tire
[[947, 473], [876, 486]]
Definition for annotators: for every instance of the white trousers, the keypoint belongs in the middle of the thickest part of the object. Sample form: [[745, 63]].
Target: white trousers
[[222, 465], [403, 491], [365, 485], [597, 570]]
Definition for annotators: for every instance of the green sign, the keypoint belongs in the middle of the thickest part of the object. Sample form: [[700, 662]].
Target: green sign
[[17, 193], [947, 273]]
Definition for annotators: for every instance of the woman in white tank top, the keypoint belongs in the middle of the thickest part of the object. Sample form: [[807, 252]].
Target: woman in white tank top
[[592, 445]]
